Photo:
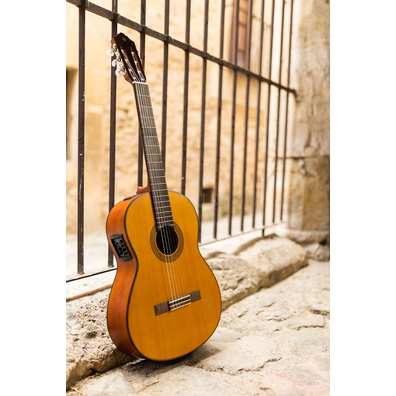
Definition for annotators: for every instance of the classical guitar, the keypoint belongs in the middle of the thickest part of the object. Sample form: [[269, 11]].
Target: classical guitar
[[165, 301]]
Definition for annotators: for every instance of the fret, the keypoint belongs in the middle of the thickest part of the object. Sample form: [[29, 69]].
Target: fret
[[159, 202], [165, 206], [164, 211], [166, 223], [162, 217]]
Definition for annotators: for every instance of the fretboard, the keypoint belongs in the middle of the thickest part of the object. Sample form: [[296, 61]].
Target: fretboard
[[156, 174]]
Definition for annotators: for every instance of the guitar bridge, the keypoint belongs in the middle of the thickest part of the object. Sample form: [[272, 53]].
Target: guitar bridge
[[177, 303]]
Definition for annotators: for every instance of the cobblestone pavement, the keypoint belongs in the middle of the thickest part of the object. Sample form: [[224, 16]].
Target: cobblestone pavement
[[274, 342]]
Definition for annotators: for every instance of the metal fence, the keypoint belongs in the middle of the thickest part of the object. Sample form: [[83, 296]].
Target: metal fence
[[241, 30]]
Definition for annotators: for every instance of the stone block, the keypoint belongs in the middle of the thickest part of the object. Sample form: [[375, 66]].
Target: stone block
[[276, 258], [237, 279]]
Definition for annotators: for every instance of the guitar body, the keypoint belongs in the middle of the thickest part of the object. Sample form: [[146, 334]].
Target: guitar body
[[161, 306]]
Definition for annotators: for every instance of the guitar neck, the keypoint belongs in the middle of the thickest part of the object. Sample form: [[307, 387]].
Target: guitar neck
[[155, 167]]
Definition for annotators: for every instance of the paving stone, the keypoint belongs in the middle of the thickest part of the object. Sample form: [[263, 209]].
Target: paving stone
[[311, 321], [321, 309], [222, 334], [308, 344], [112, 384], [249, 353], [190, 381], [311, 378], [279, 315]]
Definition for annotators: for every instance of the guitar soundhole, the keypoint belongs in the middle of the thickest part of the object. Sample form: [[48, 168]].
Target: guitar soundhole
[[167, 240]]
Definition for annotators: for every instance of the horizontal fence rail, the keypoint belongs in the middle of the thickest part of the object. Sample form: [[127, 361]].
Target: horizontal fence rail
[[267, 85]]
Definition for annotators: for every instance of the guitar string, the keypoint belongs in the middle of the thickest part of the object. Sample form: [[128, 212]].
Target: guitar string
[[139, 87], [155, 173], [166, 233], [143, 117], [152, 171]]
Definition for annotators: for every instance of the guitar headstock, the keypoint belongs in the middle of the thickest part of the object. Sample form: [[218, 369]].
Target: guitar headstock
[[127, 58]]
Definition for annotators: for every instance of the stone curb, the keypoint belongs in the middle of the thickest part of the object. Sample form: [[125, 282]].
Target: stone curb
[[241, 269]]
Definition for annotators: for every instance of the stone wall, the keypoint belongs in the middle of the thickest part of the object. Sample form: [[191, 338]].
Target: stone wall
[[309, 149]]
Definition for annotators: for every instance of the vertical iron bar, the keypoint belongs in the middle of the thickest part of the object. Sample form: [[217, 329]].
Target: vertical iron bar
[[81, 135], [249, 36], [268, 116], [203, 107], [142, 54], [165, 85], [113, 96], [185, 99], [287, 110], [231, 187], [219, 102], [244, 153], [258, 115], [277, 120]]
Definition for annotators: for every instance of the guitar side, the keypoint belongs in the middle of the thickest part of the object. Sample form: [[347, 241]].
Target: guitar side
[[154, 331], [122, 285]]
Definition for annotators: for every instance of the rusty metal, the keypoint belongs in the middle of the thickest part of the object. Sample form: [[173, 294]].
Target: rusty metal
[[81, 135], [112, 144], [185, 99], [287, 110], [203, 108], [268, 116]]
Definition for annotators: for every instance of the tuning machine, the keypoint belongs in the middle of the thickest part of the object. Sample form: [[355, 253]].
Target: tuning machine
[[113, 51], [117, 62], [120, 70]]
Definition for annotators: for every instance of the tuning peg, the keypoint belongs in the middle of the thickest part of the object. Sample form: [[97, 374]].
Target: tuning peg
[[110, 52], [114, 62], [119, 71]]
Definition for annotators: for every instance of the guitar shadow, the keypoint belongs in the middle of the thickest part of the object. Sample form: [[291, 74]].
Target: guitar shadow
[[145, 367]]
